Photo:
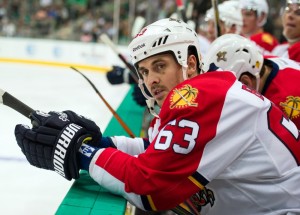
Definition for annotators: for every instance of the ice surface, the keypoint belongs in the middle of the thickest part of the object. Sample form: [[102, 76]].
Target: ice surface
[[25, 189]]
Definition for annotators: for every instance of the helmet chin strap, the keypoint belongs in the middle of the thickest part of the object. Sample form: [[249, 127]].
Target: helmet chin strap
[[257, 82], [184, 69], [150, 101]]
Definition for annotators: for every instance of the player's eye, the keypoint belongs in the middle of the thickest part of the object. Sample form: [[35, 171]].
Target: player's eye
[[159, 66], [144, 72]]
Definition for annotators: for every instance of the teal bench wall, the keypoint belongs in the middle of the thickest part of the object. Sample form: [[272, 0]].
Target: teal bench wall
[[85, 196]]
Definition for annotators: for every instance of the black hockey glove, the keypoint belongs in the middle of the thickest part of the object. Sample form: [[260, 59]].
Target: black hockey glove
[[54, 140], [119, 75]]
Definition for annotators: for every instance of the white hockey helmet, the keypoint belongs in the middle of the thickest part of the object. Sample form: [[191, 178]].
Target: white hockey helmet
[[209, 15], [162, 36], [293, 1], [230, 13], [234, 53], [260, 6], [165, 35]]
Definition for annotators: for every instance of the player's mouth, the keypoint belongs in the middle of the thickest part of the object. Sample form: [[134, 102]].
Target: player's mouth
[[158, 93], [291, 25]]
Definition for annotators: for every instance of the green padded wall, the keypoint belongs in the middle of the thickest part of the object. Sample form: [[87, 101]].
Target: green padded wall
[[85, 196]]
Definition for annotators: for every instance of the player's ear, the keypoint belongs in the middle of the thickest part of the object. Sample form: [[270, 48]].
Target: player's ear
[[247, 80], [192, 66]]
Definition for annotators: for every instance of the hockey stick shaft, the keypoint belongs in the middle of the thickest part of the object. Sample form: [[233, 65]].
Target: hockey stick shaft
[[119, 119], [217, 17], [105, 39], [14, 103]]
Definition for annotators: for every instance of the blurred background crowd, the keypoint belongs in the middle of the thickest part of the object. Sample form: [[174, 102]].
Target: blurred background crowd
[[85, 20]]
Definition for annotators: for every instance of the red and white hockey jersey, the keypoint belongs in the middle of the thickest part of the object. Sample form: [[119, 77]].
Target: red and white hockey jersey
[[265, 41], [213, 131], [282, 88], [288, 51]]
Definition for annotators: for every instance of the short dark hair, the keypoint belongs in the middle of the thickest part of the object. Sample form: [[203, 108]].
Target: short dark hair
[[193, 51]]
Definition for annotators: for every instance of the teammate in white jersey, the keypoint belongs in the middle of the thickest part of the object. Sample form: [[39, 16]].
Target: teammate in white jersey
[[274, 77], [211, 131], [291, 31]]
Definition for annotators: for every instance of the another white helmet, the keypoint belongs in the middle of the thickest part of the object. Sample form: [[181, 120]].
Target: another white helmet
[[260, 6], [293, 1], [209, 15], [228, 13], [234, 53], [165, 35]]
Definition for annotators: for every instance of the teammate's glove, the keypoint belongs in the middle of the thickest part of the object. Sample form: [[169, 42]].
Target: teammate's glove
[[138, 96], [119, 75], [54, 140]]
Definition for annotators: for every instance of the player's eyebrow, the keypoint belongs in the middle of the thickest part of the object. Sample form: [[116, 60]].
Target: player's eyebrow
[[158, 59]]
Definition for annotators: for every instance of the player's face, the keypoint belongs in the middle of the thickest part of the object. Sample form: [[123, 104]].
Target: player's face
[[249, 21], [161, 73], [291, 21], [211, 29]]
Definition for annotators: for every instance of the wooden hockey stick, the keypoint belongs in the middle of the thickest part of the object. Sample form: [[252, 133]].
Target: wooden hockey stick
[[217, 17], [105, 39], [122, 123], [14, 103]]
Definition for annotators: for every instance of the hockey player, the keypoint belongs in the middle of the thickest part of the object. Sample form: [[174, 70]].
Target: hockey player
[[274, 77], [255, 13], [211, 131], [291, 31], [230, 19]]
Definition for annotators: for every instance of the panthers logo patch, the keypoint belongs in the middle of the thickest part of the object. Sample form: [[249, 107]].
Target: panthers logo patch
[[291, 107], [184, 97], [221, 56], [195, 203], [268, 39]]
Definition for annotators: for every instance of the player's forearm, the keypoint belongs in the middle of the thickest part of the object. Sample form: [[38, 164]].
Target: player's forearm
[[132, 146], [139, 181]]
